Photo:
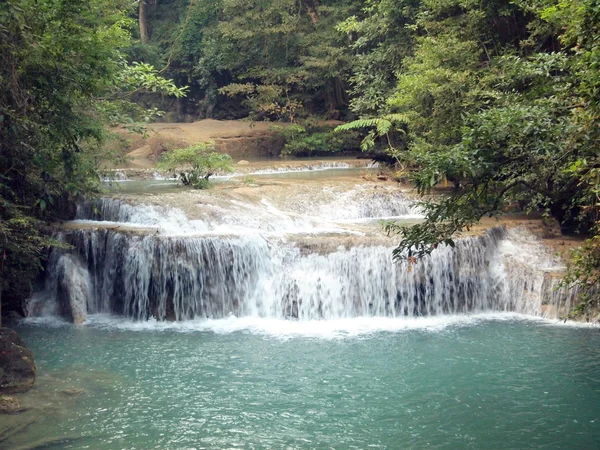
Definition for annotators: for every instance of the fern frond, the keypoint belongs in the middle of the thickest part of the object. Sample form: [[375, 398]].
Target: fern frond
[[368, 142], [383, 126], [356, 124], [397, 118]]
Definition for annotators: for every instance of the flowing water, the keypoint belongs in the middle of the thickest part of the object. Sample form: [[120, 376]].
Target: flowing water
[[253, 258], [274, 317]]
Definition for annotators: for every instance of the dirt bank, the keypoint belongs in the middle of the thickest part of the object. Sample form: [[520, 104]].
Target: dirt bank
[[241, 139]]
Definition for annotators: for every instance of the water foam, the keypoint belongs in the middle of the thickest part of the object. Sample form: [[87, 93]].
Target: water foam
[[175, 278], [235, 217], [320, 329]]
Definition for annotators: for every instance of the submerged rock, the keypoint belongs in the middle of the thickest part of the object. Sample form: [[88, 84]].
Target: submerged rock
[[67, 291], [72, 392], [17, 368], [10, 405]]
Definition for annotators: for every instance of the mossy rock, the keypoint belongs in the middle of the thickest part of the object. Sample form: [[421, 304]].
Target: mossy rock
[[17, 367]]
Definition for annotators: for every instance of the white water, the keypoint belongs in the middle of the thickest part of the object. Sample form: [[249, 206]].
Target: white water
[[68, 290], [236, 217], [249, 262], [321, 329]]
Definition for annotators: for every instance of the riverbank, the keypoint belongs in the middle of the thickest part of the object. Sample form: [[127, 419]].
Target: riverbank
[[241, 139]]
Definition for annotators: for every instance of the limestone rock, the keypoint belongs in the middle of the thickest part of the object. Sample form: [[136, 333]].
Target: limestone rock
[[74, 289], [17, 368], [10, 405]]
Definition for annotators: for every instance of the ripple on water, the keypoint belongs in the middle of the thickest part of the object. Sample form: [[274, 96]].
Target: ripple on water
[[479, 381]]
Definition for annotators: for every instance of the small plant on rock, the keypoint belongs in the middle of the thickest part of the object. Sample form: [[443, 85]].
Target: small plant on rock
[[248, 180], [196, 164]]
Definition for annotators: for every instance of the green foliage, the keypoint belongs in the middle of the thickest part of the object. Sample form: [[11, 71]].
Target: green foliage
[[196, 164], [485, 113], [286, 54], [276, 59], [63, 78], [379, 127], [380, 38], [314, 140], [583, 272]]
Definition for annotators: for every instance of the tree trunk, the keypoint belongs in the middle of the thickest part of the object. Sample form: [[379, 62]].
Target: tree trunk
[[143, 22], [341, 98]]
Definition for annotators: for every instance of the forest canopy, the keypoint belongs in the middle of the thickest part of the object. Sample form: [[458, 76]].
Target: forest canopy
[[499, 99]]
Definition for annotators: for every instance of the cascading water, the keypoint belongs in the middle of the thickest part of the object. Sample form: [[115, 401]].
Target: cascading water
[[153, 274], [366, 204], [67, 291]]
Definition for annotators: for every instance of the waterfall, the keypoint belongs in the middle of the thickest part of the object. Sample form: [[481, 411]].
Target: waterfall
[[367, 204], [178, 278], [67, 291], [303, 212]]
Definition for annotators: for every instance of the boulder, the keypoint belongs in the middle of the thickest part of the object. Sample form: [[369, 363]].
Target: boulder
[[243, 162], [17, 368]]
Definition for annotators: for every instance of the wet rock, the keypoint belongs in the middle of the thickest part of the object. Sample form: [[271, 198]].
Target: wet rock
[[74, 289], [10, 405], [17, 368]]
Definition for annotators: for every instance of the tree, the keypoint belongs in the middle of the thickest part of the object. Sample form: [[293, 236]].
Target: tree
[[143, 21], [503, 131], [196, 164], [379, 37], [63, 78], [502, 99], [286, 58]]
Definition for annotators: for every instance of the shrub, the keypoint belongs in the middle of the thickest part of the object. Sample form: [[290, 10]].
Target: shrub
[[196, 164], [316, 140]]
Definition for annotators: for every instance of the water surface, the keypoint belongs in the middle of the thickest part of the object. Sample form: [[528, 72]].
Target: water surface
[[492, 381]]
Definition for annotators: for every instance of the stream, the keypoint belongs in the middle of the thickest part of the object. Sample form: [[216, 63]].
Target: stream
[[269, 314]]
